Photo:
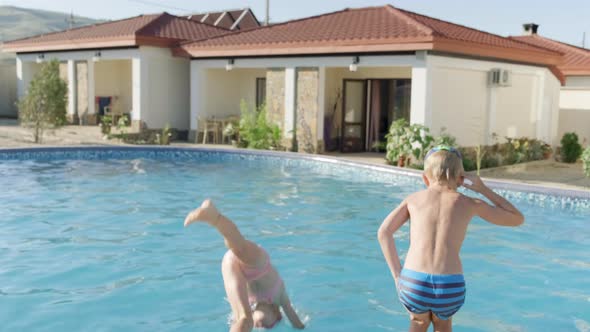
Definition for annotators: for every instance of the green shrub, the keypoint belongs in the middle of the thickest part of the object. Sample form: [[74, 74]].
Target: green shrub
[[489, 161], [445, 138], [106, 123], [570, 148], [256, 131], [398, 141], [164, 137], [405, 140], [469, 164], [586, 161], [44, 105]]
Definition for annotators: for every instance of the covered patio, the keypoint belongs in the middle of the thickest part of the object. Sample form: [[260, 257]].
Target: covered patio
[[301, 94]]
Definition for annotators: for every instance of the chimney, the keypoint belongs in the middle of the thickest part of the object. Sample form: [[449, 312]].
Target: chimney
[[267, 18], [530, 29]]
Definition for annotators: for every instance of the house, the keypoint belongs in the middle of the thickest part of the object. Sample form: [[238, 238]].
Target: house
[[123, 67], [338, 80], [574, 113], [332, 81]]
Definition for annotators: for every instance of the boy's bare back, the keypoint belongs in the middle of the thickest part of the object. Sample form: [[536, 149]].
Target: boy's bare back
[[439, 219]]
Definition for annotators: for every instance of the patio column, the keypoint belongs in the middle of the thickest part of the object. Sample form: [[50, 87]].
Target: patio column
[[139, 86], [92, 118], [72, 115], [290, 83], [421, 99], [197, 96], [321, 108], [24, 75]]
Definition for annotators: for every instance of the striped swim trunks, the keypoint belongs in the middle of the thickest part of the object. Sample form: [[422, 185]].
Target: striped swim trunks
[[443, 295]]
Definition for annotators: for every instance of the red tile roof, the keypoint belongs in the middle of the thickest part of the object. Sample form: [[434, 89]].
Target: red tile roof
[[157, 30], [372, 29], [576, 59]]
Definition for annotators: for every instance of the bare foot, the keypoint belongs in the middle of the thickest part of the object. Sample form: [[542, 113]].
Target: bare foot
[[207, 212]]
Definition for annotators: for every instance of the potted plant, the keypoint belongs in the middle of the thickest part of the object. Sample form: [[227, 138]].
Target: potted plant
[[231, 131], [399, 144], [547, 150], [166, 135], [105, 124]]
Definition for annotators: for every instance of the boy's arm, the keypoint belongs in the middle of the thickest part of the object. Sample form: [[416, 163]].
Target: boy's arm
[[503, 213], [392, 223], [290, 312]]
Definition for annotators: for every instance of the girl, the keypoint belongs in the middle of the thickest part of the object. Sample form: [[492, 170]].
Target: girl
[[254, 288]]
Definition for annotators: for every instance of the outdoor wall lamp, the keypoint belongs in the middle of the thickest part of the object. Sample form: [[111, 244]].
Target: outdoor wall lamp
[[354, 65], [230, 65], [40, 58], [96, 56]]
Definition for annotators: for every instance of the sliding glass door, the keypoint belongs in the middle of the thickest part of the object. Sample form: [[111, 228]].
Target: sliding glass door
[[354, 115]]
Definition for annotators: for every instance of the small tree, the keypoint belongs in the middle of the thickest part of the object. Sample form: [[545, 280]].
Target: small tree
[[44, 105]]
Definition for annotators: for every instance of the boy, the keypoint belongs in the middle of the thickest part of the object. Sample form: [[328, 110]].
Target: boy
[[431, 285], [254, 288]]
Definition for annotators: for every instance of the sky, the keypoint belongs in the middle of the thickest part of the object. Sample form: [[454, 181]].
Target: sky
[[564, 20]]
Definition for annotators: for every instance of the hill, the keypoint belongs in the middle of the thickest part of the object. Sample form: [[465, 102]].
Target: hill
[[16, 22]]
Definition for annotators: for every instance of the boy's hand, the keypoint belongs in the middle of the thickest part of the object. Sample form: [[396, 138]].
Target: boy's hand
[[476, 185]]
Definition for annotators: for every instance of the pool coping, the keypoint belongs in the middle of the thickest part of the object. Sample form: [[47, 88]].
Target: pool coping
[[492, 183]]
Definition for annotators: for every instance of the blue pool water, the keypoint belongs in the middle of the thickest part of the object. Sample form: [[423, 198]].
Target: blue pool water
[[96, 245]]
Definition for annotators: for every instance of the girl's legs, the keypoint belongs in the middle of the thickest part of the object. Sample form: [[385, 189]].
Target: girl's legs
[[237, 295], [247, 252]]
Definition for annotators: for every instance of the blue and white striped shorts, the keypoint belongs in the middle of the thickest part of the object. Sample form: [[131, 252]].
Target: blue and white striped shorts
[[443, 295]]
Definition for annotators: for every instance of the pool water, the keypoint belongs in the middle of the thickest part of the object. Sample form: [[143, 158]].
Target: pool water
[[91, 245]]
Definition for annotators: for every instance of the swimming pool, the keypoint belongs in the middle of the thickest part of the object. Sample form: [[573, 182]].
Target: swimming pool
[[92, 239]]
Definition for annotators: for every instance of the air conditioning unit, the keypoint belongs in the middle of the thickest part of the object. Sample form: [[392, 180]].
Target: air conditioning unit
[[499, 77], [494, 77], [506, 78]]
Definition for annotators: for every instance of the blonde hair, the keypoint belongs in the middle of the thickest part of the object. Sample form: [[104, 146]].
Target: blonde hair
[[443, 166]]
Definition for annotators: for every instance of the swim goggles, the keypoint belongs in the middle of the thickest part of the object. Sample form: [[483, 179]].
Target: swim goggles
[[444, 148]]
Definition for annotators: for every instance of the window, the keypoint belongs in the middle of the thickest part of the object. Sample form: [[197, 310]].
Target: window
[[260, 91]]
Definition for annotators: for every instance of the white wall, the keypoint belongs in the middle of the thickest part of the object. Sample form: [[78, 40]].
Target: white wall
[[8, 86], [165, 88], [578, 81], [574, 114], [459, 103], [575, 98], [462, 101], [226, 89]]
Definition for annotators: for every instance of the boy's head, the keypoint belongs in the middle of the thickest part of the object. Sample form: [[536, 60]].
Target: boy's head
[[444, 165]]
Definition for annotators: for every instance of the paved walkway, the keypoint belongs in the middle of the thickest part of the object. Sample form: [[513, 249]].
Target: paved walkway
[[545, 172]]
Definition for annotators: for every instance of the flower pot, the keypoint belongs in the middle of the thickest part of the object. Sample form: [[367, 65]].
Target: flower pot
[[105, 129], [401, 161]]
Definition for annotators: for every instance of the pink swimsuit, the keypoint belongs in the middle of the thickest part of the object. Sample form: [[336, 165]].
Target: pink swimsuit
[[254, 273]]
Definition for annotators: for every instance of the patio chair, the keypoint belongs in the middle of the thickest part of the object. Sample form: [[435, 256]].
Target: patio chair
[[209, 127]]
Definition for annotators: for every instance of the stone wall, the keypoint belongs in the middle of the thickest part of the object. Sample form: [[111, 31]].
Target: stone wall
[[275, 96], [307, 97], [82, 102]]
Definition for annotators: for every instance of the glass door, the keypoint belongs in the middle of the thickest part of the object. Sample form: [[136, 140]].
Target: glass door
[[354, 115]]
